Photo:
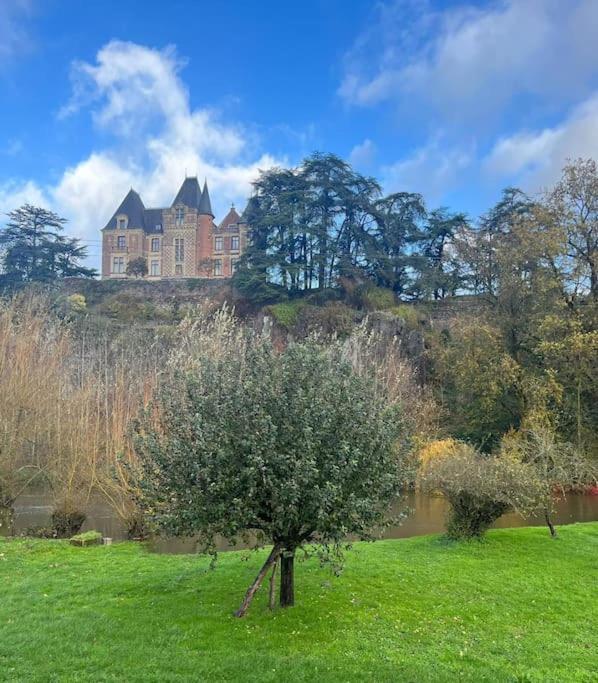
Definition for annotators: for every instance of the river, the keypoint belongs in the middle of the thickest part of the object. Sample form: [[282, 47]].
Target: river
[[427, 516]]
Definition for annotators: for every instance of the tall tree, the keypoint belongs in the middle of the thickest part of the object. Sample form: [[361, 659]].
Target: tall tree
[[573, 206], [34, 250], [399, 221], [438, 269], [308, 227]]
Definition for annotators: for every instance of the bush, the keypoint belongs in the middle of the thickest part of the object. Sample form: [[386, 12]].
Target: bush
[[412, 317], [479, 488], [286, 313], [67, 523], [471, 515], [373, 298]]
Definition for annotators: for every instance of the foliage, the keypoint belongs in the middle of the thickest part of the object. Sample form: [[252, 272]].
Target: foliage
[[32, 248], [556, 466], [66, 522], [479, 488], [293, 446], [137, 267], [285, 313], [478, 382], [373, 298], [415, 609]]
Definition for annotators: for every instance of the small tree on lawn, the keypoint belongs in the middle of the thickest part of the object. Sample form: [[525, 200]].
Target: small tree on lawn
[[289, 448], [557, 467], [137, 267]]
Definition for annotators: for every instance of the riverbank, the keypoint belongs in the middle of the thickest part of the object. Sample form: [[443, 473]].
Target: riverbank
[[518, 606]]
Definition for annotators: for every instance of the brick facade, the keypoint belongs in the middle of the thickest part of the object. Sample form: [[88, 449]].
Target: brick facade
[[181, 241]]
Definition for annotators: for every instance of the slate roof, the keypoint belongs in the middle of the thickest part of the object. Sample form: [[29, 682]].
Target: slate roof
[[231, 217], [205, 205], [153, 218], [132, 207], [190, 195]]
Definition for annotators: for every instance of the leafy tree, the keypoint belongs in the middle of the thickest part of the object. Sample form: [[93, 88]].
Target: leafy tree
[[477, 382], [435, 260], [292, 447], [137, 267], [399, 218], [309, 227], [33, 249], [573, 207], [556, 467]]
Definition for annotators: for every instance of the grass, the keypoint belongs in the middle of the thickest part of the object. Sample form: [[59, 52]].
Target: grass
[[517, 607]]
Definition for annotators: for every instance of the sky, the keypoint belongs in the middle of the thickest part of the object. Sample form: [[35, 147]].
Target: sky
[[455, 100]]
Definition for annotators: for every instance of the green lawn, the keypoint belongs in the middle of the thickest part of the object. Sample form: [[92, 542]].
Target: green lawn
[[516, 607]]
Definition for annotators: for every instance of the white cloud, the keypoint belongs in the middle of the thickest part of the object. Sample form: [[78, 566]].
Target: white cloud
[[362, 155], [534, 159], [432, 170], [136, 94], [470, 60]]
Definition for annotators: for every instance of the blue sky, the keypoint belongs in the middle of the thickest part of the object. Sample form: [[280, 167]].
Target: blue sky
[[452, 99]]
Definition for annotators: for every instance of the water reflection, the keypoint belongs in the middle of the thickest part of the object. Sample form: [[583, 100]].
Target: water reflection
[[427, 516]]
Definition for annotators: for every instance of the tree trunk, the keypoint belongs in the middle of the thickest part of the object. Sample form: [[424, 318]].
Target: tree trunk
[[252, 590], [550, 524], [287, 578]]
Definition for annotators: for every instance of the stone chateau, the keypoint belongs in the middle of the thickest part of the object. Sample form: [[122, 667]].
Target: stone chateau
[[181, 241]]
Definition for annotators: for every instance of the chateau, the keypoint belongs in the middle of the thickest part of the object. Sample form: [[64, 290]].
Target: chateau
[[181, 241]]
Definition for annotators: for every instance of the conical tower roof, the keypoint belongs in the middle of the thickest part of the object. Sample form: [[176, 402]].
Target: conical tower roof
[[189, 194], [205, 205]]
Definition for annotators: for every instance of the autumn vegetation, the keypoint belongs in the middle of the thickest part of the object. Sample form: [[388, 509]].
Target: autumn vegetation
[[367, 345]]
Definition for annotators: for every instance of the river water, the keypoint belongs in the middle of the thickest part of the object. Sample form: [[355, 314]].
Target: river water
[[427, 515]]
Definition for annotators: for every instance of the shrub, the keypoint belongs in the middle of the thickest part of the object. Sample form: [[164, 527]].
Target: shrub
[[286, 313], [479, 488], [66, 523], [373, 298]]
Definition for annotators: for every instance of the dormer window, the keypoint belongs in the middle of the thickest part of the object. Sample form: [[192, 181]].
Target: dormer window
[[121, 222], [180, 215]]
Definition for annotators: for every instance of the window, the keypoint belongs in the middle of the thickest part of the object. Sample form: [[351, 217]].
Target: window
[[158, 227], [179, 249], [122, 223], [180, 215], [155, 244], [217, 267], [234, 243], [233, 265], [118, 265], [218, 243], [232, 226], [121, 242], [155, 268], [178, 269]]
